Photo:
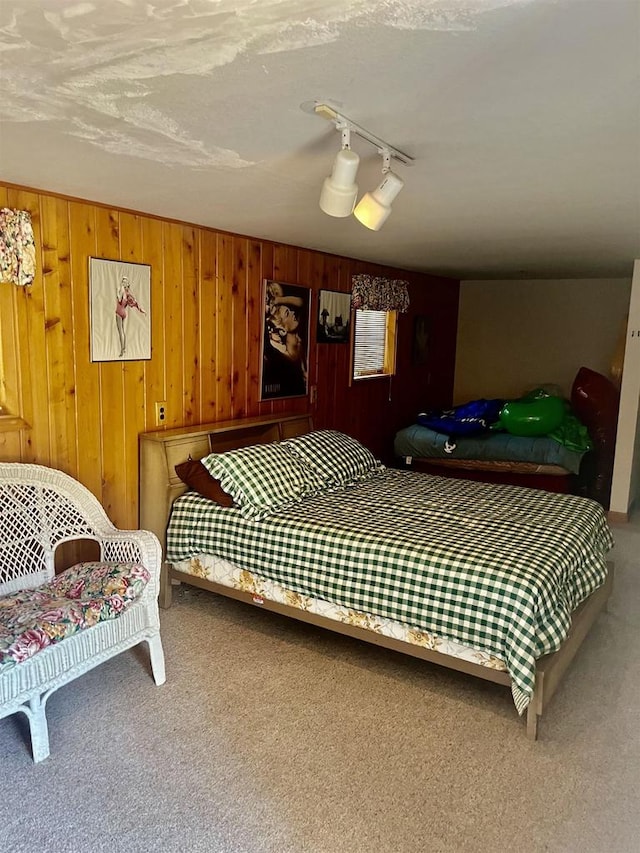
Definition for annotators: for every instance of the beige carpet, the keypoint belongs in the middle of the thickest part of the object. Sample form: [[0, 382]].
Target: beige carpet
[[274, 736]]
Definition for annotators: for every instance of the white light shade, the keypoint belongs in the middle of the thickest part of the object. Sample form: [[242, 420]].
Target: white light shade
[[374, 208], [339, 191]]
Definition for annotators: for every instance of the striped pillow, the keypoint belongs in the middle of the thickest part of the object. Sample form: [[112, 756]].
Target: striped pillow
[[262, 478], [337, 458]]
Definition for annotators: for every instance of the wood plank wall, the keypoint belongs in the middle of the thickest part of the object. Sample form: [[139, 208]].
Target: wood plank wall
[[85, 417]]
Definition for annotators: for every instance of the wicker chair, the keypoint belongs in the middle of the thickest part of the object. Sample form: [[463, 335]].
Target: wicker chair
[[40, 508]]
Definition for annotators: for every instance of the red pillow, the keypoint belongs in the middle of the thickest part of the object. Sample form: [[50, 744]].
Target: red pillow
[[196, 477]]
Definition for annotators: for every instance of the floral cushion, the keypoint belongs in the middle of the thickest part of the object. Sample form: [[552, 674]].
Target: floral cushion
[[78, 598]]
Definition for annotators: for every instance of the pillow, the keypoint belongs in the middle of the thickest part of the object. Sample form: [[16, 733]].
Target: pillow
[[196, 477], [262, 478], [337, 458]]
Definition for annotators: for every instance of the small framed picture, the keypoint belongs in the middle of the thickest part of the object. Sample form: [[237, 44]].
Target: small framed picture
[[120, 303], [334, 314], [285, 340]]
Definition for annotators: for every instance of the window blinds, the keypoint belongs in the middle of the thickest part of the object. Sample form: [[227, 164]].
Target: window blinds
[[370, 340]]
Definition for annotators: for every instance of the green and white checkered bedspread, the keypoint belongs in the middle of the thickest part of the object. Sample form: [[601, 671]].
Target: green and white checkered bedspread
[[499, 568]]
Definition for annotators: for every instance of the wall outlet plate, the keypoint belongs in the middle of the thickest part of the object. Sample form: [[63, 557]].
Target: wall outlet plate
[[161, 412]]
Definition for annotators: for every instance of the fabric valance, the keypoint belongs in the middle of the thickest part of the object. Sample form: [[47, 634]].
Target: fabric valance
[[373, 293], [17, 247]]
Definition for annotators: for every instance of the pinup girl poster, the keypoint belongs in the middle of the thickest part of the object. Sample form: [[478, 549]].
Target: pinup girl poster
[[120, 296], [285, 340]]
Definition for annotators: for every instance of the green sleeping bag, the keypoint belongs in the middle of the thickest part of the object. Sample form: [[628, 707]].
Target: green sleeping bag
[[532, 415]]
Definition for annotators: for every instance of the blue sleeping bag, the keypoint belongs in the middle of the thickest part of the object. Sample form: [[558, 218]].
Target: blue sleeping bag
[[471, 418]]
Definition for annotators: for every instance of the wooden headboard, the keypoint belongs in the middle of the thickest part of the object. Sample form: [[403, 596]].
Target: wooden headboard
[[162, 450]]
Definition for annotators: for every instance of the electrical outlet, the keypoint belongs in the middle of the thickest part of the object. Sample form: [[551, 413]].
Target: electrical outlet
[[161, 413]]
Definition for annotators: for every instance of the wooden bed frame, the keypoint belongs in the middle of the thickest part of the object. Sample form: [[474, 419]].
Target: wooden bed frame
[[160, 451], [551, 478]]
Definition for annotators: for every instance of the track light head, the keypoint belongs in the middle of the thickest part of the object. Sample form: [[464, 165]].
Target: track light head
[[339, 190], [374, 208]]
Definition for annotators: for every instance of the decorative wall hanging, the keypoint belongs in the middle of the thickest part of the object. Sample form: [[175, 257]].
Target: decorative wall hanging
[[285, 340], [420, 343], [120, 300], [17, 247], [334, 314], [374, 293]]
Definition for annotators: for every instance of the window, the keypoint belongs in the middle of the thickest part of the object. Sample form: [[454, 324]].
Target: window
[[374, 344]]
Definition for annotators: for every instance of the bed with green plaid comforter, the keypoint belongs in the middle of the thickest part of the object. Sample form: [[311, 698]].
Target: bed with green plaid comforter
[[497, 568]]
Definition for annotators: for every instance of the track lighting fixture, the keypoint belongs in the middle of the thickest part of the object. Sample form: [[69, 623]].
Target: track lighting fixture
[[374, 208], [339, 190]]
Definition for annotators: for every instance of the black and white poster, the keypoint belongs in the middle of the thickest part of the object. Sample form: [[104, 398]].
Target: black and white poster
[[334, 312], [285, 340]]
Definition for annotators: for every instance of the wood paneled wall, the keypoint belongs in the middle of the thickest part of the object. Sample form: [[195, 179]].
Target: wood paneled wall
[[85, 417]]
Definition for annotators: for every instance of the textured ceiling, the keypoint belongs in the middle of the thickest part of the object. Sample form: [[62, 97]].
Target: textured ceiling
[[523, 117]]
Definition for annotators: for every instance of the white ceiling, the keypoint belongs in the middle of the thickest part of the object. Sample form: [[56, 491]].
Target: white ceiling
[[523, 117]]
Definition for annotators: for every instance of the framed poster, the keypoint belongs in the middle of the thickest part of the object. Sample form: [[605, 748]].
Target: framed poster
[[120, 304], [334, 314], [420, 343], [285, 340]]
